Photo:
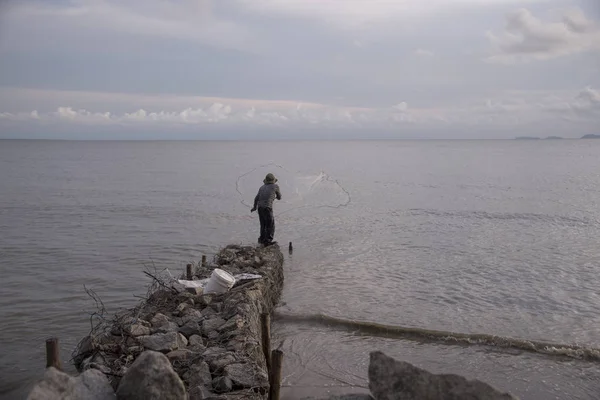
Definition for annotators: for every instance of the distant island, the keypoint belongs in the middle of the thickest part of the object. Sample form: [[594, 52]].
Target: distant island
[[590, 136]]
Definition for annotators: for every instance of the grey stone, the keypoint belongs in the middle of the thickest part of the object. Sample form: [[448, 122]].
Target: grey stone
[[181, 355], [232, 324], [163, 342], [397, 380], [198, 375], [208, 312], [151, 376], [192, 315], [138, 330], [246, 376], [210, 325], [214, 352], [213, 335], [196, 341], [180, 310], [84, 349], [56, 385], [203, 393], [222, 384], [217, 364], [189, 329], [204, 300], [162, 324]]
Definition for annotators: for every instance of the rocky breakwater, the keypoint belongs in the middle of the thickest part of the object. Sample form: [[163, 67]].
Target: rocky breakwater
[[181, 343]]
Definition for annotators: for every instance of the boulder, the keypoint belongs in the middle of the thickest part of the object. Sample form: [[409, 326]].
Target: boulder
[[151, 377], [138, 330], [56, 385], [218, 363], [192, 315], [181, 355], [203, 393], [195, 342], [163, 342], [397, 380], [232, 324]]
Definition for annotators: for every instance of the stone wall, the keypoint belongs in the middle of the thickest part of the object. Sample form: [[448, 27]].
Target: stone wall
[[179, 345]]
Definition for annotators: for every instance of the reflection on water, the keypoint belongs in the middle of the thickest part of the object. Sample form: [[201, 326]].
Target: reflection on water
[[495, 238]]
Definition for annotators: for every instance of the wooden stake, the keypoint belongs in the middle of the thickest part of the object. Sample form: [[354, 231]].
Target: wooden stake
[[290, 248], [189, 272], [265, 322], [275, 375], [204, 260], [53, 354]]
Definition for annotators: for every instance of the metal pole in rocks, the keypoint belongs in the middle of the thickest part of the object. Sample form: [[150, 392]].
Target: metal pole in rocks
[[275, 374], [189, 272], [204, 260], [265, 323], [53, 353]]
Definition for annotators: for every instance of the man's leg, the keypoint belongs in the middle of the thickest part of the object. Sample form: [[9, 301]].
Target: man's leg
[[270, 224], [263, 225]]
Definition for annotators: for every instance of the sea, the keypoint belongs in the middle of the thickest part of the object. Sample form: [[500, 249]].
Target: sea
[[485, 237]]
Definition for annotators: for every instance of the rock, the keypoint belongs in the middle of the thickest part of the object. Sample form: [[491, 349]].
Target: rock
[[213, 335], [179, 311], [232, 324], [162, 324], [195, 290], [181, 355], [95, 361], [138, 330], [198, 375], [192, 315], [246, 376], [196, 341], [222, 384], [84, 349], [218, 307], [397, 380], [208, 312], [204, 300], [217, 364], [189, 329], [56, 385], [211, 325], [202, 393], [151, 376], [163, 342]]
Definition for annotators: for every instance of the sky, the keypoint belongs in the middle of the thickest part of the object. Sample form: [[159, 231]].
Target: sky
[[299, 69]]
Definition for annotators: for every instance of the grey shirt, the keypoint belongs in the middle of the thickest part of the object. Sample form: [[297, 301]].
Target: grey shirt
[[266, 195]]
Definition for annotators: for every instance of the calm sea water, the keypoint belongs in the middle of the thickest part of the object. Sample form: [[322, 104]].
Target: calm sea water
[[498, 237]]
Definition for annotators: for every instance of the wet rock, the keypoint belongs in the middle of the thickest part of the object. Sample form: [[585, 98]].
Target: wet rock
[[246, 376], [212, 324], [397, 380], [56, 385], [151, 376], [84, 349], [198, 375], [163, 342], [190, 328], [222, 384]]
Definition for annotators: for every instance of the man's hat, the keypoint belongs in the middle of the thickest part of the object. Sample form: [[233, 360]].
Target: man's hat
[[270, 178]]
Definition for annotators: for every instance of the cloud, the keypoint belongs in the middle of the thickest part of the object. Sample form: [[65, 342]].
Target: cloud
[[191, 20], [527, 38], [546, 110], [352, 14], [424, 53]]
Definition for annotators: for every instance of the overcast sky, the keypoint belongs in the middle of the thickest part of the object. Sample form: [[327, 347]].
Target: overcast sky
[[299, 68]]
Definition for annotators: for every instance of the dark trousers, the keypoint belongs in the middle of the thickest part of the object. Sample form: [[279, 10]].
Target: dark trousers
[[267, 225]]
